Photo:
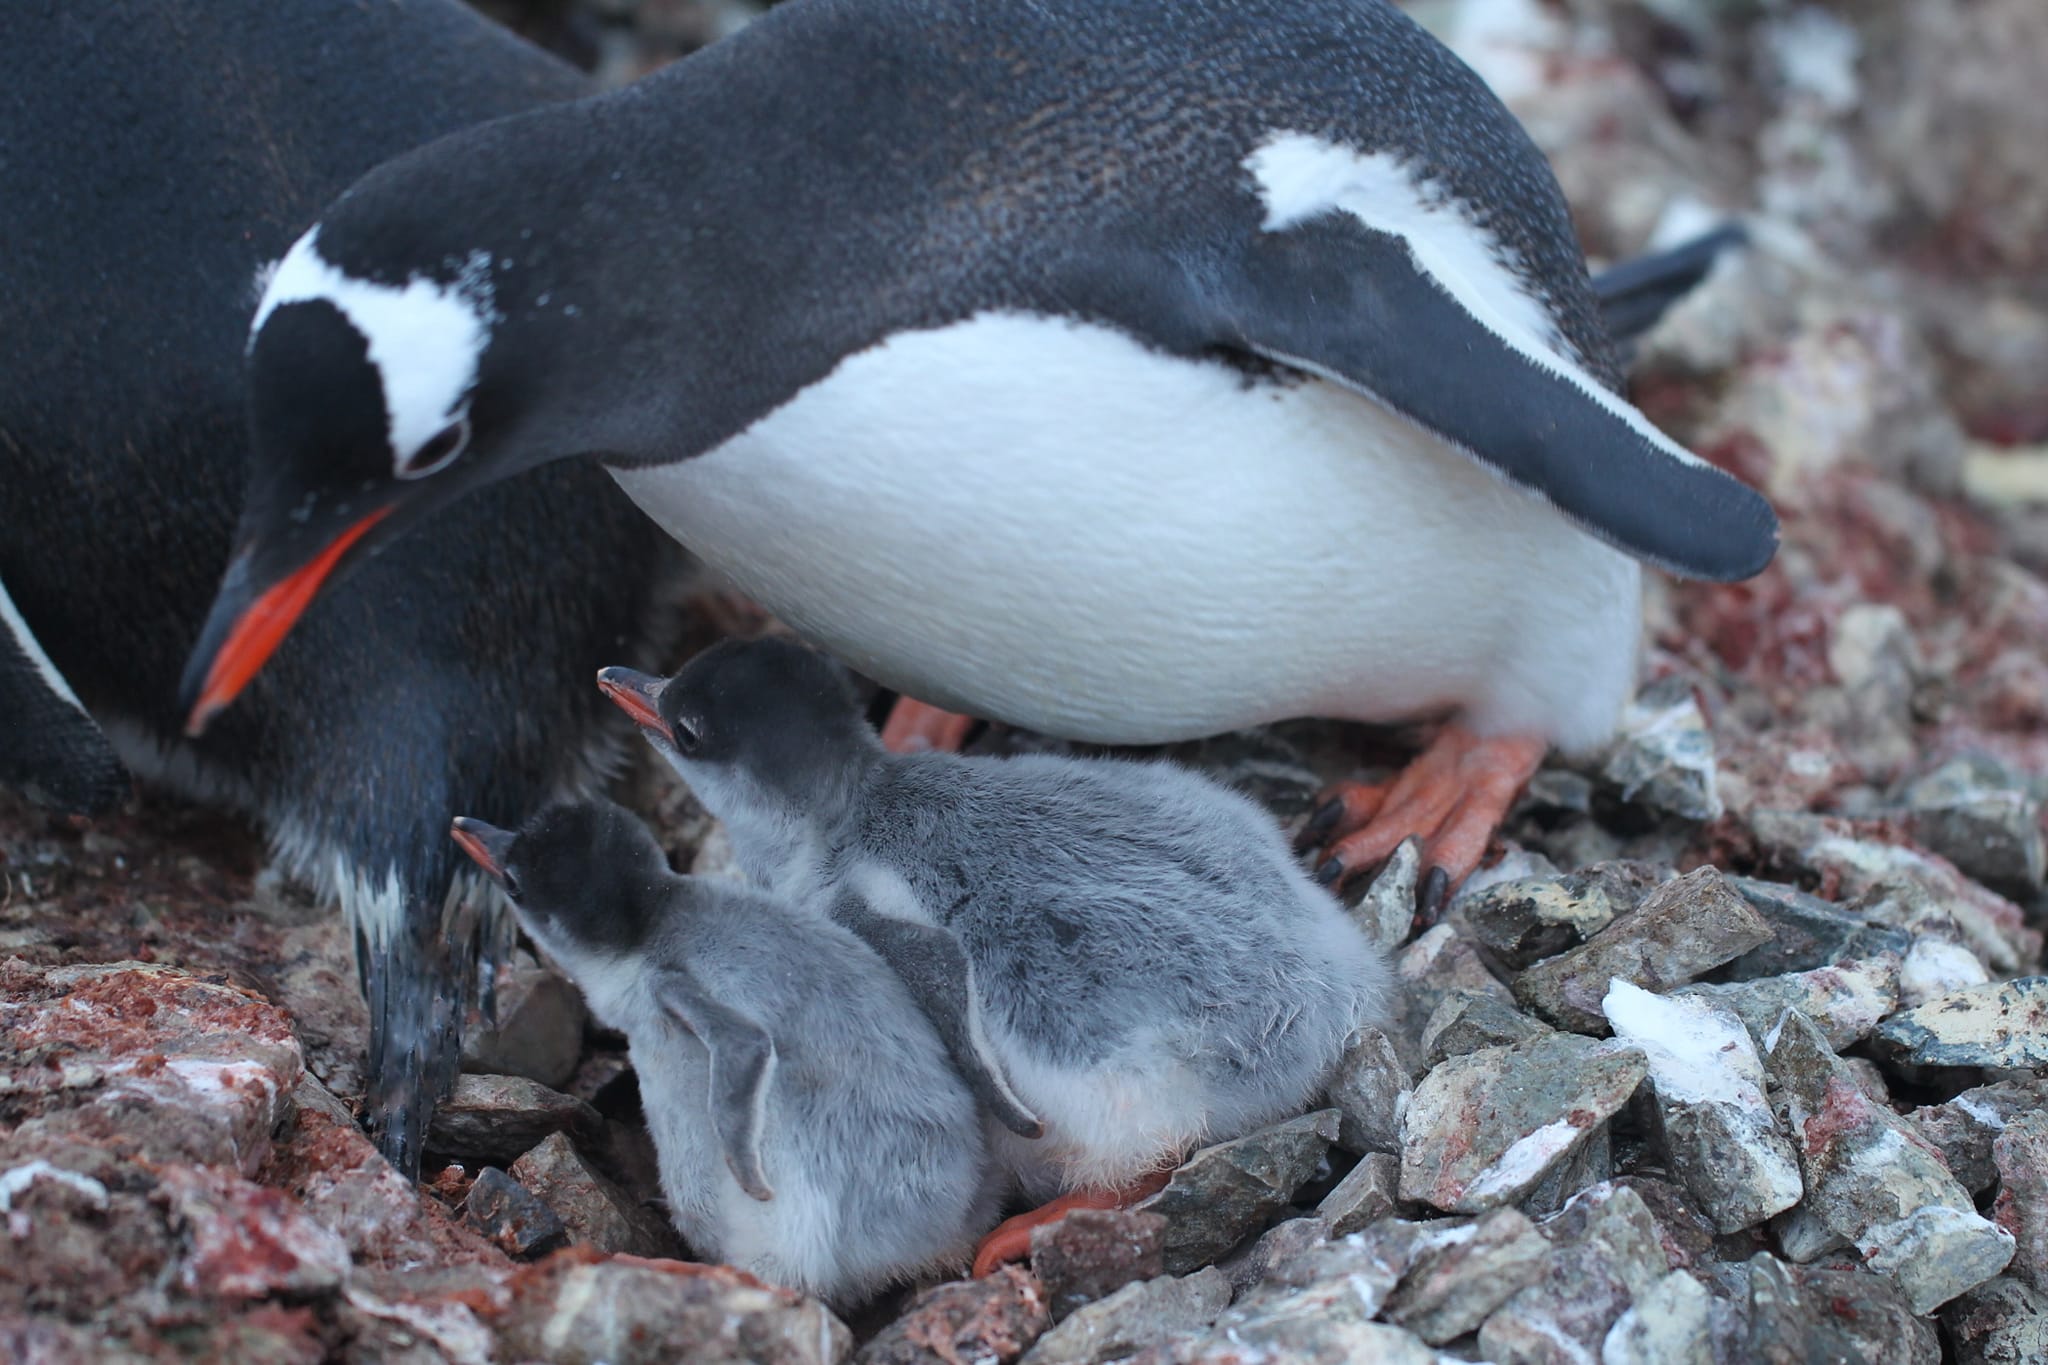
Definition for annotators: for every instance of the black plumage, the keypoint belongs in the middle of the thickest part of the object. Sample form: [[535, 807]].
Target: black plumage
[[156, 153]]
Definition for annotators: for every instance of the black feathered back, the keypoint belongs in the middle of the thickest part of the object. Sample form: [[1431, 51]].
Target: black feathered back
[[155, 154]]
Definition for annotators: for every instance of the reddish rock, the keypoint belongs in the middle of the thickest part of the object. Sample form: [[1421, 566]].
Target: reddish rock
[[580, 1308], [1872, 1181], [512, 1216], [1680, 929], [497, 1118], [1485, 1129], [1796, 1316], [994, 1319], [246, 1241], [597, 1212], [2001, 1322], [326, 1162], [72, 1244], [1966, 1129], [2021, 1153], [1092, 1253], [146, 1061]]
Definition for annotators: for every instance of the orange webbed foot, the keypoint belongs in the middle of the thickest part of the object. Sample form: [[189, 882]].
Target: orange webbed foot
[[1011, 1239], [1452, 797], [915, 727]]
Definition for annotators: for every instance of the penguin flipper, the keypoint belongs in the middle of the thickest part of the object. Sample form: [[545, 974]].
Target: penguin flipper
[[1357, 306], [929, 961], [742, 1064], [50, 749], [1636, 294]]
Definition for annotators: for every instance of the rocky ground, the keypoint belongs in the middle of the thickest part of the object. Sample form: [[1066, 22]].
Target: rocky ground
[[1733, 1056]]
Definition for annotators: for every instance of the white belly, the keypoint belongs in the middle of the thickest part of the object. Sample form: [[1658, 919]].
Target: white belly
[[1046, 523]]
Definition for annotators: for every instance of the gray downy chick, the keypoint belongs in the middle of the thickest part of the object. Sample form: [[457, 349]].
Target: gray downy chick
[[809, 1125], [1128, 948]]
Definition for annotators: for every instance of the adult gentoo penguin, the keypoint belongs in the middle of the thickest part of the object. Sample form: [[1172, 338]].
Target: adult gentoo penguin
[[1129, 372], [156, 153]]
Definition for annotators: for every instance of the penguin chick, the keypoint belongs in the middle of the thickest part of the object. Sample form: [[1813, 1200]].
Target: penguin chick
[[809, 1127], [1144, 960]]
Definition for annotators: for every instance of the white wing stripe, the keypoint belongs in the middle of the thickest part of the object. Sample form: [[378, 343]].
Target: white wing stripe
[[1301, 177]]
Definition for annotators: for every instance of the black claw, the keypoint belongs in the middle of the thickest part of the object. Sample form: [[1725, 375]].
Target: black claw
[[1329, 872], [1317, 827], [1430, 894]]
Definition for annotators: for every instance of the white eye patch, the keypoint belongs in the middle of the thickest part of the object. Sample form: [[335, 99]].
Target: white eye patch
[[425, 338]]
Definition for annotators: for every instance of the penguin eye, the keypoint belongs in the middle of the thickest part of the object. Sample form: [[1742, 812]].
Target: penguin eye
[[687, 740], [510, 882], [441, 448]]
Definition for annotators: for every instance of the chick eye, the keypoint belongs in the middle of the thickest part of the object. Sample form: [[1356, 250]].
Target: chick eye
[[441, 448]]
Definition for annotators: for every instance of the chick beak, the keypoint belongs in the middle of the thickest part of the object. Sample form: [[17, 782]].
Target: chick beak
[[487, 845], [638, 695]]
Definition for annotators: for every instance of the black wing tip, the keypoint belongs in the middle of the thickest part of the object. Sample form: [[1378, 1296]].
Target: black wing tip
[[84, 790], [99, 789], [1735, 535], [1745, 562], [1635, 295], [1690, 519], [1679, 267]]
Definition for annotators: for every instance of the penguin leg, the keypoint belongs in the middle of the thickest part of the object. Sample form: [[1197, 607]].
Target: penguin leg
[[1346, 806], [916, 727], [357, 803], [1452, 797], [419, 955], [1010, 1240]]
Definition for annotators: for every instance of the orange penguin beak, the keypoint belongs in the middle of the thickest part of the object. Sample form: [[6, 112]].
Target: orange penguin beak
[[486, 844], [638, 695], [260, 627]]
